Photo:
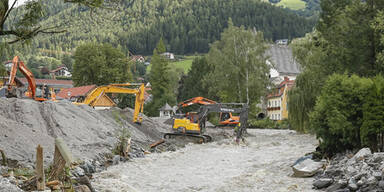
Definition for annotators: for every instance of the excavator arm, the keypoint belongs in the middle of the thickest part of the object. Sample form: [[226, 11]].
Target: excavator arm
[[18, 64], [196, 100], [224, 108], [119, 88]]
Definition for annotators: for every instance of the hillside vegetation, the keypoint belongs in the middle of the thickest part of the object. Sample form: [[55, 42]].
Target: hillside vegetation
[[187, 26]]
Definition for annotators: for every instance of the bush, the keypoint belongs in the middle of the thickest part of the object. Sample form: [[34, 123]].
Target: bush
[[338, 114], [269, 124], [372, 130]]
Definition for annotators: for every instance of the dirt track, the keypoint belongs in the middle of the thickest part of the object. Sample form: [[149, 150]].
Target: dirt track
[[262, 165]]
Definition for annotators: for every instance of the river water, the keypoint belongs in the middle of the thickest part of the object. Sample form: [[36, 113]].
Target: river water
[[263, 164]]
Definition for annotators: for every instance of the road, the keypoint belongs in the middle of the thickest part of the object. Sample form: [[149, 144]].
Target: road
[[263, 164]]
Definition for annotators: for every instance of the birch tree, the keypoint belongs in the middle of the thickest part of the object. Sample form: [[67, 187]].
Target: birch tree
[[240, 72]]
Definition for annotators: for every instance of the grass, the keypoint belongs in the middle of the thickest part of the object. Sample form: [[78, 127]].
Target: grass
[[292, 4], [183, 64]]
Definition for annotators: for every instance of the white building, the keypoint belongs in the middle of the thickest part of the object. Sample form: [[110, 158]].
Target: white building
[[61, 72], [166, 111]]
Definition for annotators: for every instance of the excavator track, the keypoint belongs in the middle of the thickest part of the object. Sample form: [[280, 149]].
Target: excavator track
[[203, 138]]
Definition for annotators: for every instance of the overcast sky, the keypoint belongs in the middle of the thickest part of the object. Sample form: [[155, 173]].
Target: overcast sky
[[19, 2]]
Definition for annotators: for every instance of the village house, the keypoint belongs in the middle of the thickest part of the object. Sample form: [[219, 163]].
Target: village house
[[137, 58], [60, 72], [78, 94], [277, 105], [169, 55], [282, 63]]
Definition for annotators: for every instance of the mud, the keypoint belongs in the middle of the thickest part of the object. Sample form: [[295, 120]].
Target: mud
[[262, 164]]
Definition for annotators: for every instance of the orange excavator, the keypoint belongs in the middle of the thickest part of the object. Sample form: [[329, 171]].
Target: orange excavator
[[225, 118], [12, 88]]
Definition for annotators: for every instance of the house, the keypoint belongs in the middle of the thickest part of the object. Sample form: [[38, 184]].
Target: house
[[281, 42], [169, 55], [282, 64], [277, 106], [78, 94], [166, 111], [137, 58], [60, 72]]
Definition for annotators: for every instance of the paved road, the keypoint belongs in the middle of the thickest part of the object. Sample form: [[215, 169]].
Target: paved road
[[261, 165]]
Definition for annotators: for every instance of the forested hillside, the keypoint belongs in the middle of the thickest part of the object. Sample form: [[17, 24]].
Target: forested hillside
[[187, 26]]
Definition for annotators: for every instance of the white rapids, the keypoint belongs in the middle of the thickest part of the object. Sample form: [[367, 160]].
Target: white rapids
[[261, 165]]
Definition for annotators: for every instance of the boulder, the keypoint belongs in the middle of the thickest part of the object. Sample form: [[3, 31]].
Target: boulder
[[116, 160], [381, 184], [378, 157], [307, 168], [81, 188], [362, 154], [322, 183]]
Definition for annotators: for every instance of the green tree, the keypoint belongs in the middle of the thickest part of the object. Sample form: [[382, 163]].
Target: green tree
[[100, 65], [338, 114], [239, 70], [67, 61], [160, 80], [28, 23], [372, 130], [191, 85]]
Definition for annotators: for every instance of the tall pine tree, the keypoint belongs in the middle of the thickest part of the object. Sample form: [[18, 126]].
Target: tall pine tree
[[160, 80]]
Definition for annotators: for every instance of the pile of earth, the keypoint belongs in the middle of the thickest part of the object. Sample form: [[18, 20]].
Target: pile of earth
[[362, 171], [89, 133]]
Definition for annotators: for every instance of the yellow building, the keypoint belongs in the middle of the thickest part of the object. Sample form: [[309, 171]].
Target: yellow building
[[277, 106]]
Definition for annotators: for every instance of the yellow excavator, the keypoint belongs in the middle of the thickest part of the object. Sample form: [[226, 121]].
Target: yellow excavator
[[100, 91], [185, 128]]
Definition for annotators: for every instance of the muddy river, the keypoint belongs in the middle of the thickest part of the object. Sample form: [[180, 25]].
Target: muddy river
[[263, 164]]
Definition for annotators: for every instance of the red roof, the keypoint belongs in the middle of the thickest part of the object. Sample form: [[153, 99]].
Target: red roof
[[49, 81], [58, 69], [75, 91], [280, 89]]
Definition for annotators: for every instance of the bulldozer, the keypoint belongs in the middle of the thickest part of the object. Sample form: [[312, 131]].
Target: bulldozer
[[97, 93], [196, 129]]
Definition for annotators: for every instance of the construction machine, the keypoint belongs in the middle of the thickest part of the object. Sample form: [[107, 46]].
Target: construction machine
[[225, 117], [97, 93], [196, 129], [12, 90]]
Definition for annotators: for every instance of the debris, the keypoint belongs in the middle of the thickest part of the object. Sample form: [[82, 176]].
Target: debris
[[3, 158], [81, 188], [307, 168], [61, 159], [40, 178], [157, 143], [323, 183]]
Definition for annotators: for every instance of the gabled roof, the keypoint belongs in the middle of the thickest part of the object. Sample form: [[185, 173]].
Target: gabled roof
[[166, 107], [58, 69], [75, 91], [282, 58], [282, 86]]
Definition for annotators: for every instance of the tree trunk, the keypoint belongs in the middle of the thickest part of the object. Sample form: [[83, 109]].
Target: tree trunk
[[247, 84]]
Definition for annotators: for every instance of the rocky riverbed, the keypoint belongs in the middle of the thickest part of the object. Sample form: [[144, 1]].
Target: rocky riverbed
[[262, 164]]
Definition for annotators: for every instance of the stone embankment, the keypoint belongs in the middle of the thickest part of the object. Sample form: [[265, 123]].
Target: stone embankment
[[363, 171]]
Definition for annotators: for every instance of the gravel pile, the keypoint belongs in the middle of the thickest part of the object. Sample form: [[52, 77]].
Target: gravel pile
[[360, 172], [90, 134]]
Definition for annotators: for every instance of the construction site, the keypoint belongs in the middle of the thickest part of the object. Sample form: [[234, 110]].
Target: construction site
[[78, 140]]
